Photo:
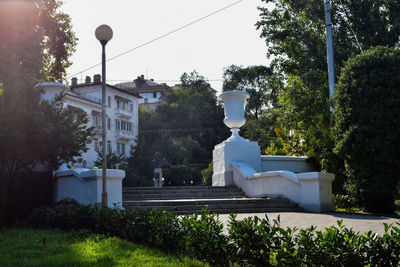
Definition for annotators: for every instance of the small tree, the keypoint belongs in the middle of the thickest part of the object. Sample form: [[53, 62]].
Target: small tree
[[367, 108], [114, 160]]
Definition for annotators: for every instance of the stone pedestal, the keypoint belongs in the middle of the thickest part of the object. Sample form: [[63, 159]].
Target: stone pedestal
[[85, 186], [157, 177], [224, 153], [316, 191]]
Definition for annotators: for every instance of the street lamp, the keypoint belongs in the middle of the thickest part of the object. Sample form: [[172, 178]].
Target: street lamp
[[104, 34]]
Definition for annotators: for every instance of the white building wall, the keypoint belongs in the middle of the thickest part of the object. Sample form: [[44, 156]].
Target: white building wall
[[93, 92], [150, 97]]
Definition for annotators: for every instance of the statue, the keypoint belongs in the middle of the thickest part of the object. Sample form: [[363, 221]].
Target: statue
[[158, 162]]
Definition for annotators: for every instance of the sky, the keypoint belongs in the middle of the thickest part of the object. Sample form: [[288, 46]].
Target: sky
[[208, 46]]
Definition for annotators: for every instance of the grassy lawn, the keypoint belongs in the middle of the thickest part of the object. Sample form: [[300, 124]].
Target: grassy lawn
[[27, 247]]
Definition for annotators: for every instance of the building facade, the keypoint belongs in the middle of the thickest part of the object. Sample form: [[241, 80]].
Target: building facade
[[122, 120], [151, 93]]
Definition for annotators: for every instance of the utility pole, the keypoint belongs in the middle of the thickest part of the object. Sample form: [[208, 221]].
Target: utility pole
[[329, 47]]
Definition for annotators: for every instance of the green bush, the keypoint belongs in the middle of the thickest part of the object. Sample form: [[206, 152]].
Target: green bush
[[207, 174], [367, 108], [344, 202], [176, 175], [204, 238], [250, 242]]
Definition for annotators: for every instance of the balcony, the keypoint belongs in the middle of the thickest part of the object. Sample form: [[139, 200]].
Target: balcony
[[123, 113], [97, 130], [123, 135]]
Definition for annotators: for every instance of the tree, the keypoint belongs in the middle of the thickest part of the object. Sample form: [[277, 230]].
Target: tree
[[252, 79], [38, 133], [261, 106], [294, 32], [367, 104], [37, 41], [114, 160], [192, 110], [184, 129]]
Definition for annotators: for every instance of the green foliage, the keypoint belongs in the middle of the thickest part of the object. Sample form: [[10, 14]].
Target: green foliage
[[204, 238], [184, 129], [39, 132], [33, 247], [346, 202], [263, 130], [250, 242], [207, 174], [261, 112], [252, 79], [37, 41], [113, 160], [185, 174], [367, 98], [295, 36]]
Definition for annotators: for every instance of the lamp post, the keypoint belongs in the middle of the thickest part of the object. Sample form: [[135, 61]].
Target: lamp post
[[104, 34], [329, 47]]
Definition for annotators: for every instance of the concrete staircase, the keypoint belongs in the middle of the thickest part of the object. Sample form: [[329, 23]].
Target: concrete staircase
[[191, 199]]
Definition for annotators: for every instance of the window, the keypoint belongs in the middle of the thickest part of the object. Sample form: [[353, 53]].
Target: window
[[118, 148], [155, 95], [96, 120], [109, 149], [123, 149], [131, 108], [108, 123], [109, 101]]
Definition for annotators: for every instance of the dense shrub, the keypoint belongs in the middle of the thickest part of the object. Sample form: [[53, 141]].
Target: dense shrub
[[344, 202], [204, 238], [367, 108], [176, 175], [207, 174], [250, 242]]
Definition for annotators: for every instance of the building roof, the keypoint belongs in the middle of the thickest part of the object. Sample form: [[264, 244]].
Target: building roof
[[108, 85], [140, 84]]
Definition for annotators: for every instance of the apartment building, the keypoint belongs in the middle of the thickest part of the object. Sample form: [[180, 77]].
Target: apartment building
[[122, 120], [152, 93]]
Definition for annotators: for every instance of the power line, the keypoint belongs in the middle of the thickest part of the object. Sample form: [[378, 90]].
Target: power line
[[159, 37]]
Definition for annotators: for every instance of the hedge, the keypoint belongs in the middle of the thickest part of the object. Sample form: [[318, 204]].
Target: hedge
[[250, 242]]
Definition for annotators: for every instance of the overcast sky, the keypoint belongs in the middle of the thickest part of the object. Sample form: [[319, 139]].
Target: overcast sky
[[226, 38]]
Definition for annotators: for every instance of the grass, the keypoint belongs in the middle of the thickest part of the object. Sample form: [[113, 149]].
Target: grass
[[28, 247]]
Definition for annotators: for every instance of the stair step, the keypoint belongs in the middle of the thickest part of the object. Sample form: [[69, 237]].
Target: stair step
[[197, 187], [191, 196], [205, 201], [216, 206], [192, 199], [232, 210]]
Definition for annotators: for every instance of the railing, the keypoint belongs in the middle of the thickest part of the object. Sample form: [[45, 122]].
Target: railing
[[120, 134], [123, 112], [97, 129]]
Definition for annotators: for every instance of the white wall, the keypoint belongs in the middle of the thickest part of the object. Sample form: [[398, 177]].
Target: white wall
[[85, 186], [94, 92]]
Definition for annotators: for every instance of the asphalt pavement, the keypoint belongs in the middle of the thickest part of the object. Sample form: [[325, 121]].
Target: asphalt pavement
[[358, 222]]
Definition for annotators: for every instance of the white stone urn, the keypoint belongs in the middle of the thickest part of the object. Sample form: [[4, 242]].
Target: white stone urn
[[234, 102]]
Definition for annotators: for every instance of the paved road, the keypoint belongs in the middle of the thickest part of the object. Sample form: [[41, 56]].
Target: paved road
[[359, 223]]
